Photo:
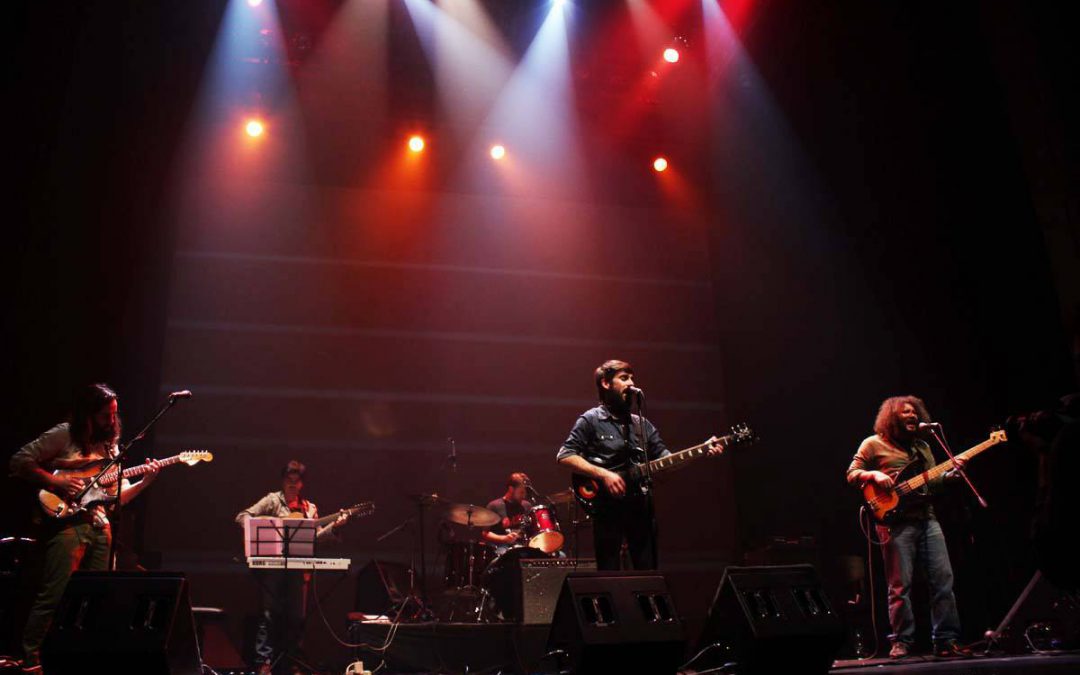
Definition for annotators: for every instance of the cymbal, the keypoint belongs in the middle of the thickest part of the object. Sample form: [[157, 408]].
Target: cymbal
[[471, 514], [564, 497], [428, 499]]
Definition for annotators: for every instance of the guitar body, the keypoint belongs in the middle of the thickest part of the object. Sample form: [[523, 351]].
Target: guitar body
[[594, 498], [57, 507], [887, 505]]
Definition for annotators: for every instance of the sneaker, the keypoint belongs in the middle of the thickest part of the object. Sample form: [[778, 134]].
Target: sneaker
[[951, 649], [899, 650]]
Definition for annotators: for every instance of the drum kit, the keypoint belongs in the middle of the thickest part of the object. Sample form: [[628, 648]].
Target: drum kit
[[483, 572]]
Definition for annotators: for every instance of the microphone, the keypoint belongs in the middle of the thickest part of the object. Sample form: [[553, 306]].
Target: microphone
[[180, 394], [926, 426], [453, 454], [634, 391]]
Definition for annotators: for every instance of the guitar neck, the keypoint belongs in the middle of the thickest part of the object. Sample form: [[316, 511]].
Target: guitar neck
[[939, 469], [137, 471], [678, 460]]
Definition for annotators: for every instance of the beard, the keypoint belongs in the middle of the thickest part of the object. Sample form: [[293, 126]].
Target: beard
[[617, 403], [105, 434]]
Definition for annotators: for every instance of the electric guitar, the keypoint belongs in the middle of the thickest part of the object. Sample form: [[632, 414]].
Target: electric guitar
[[56, 506], [593, 497], [887, 504]]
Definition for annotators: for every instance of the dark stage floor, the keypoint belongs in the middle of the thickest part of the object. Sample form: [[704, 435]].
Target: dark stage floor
[[460, 648]]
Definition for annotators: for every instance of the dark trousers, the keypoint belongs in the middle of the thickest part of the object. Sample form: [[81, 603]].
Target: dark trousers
[[68, 547], [911, 542], [284, 606], [630, 518]]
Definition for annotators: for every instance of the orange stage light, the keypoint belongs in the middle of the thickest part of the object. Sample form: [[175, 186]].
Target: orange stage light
[[254, 128], [416, 143], [498, 152], [660, 164]]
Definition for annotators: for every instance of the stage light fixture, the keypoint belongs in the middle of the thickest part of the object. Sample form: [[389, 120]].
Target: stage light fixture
[[660, 164], [416, 143], [254, 128], [671, 55], [254, 3], [498, 152]]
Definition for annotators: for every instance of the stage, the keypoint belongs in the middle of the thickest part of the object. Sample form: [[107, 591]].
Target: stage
[[507, 648]]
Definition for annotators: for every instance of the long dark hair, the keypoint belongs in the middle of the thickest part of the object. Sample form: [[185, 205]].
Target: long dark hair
[[89, 401], [888, 424]]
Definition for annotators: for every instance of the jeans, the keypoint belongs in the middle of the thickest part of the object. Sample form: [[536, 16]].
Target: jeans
[[919, 541], [630, 518], [71, 546]]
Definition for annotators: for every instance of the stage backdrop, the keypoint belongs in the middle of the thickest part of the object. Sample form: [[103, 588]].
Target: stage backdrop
[[359, 332]]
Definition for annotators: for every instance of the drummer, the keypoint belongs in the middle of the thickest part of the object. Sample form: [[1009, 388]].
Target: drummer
[[511, 508]]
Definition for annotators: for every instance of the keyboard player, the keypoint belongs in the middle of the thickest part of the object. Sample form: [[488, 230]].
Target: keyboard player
[[284, 593]]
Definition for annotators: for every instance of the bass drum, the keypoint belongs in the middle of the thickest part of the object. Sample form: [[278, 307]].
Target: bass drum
[[502, 580], [466, 563]]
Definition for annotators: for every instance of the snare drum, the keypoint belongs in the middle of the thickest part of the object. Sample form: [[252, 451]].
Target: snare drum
[[466, 563], [541, 527]]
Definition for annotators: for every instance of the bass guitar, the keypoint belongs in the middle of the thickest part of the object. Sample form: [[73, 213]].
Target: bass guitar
[[104, 490], [887, 504], [591, 494]]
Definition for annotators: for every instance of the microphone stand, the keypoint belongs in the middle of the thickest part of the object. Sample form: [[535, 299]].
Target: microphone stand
[[118, 462], [940, 438], [647, 482]]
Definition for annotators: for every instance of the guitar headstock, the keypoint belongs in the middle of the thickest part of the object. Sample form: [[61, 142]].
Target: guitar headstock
[[998, 436], [193, 457], [362, 509], [741, 434]]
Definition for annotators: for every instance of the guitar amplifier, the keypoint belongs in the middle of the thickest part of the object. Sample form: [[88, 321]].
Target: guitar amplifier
[[541, 580]]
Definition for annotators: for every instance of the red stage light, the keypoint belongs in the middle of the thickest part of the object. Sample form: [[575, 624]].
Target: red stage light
[[254, 128], [671, 55], [498, 152], [660, 165], [416, 143]]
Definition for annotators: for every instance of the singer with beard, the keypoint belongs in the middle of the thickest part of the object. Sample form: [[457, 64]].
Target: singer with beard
[[81, 541], [915, 537], [609, 435]]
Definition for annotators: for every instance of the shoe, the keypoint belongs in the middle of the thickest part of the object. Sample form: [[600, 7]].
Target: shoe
[[899, 650], [951, 649]]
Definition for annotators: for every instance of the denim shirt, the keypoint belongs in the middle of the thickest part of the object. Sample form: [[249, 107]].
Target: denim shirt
[[601, 438]]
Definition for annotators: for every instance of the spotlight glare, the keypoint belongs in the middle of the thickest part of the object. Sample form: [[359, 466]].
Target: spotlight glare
[[671, 55], [416, 143], [559, 4], [254, 128], [498, 152], [254, 3], [660, 164]]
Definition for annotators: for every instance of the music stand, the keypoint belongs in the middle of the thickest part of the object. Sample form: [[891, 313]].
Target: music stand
[[280, 537], [284, 538]]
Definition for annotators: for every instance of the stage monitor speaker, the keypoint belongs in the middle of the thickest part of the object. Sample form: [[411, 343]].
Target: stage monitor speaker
[[123, 622], [772, 620], [541, 581], [608, 622], [381, 586]]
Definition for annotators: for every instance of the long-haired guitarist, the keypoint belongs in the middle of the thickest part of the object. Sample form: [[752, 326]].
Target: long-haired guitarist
[[609, 436], [82, 541], [284, 593], [913, 536]]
